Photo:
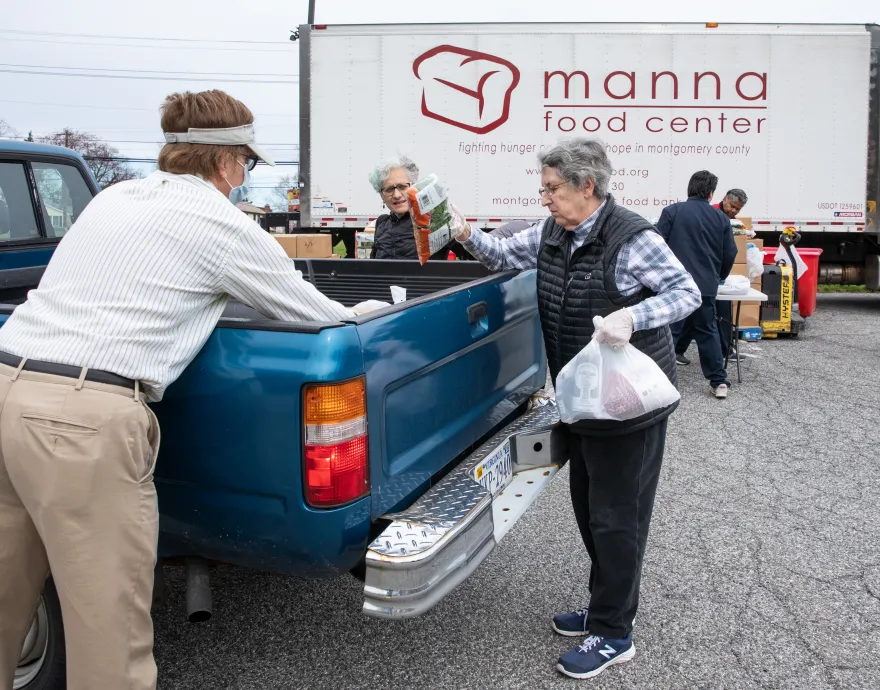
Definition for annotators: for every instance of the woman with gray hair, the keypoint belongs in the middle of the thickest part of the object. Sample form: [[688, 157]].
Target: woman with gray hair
[[595, 258], [394, 237]]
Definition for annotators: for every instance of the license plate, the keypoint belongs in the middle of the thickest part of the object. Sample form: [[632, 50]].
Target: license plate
[[494, 471]]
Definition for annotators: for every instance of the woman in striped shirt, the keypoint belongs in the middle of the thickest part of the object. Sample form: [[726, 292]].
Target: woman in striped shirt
[[129, 298]]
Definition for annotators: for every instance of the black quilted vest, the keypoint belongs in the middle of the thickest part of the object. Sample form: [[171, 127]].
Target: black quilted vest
[[573, 288], [394, 238]]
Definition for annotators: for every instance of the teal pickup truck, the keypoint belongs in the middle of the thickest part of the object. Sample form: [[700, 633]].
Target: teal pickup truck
[[399, 446]]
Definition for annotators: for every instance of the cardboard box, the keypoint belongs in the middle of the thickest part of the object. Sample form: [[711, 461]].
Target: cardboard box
[[311, 246], [741, 242], [746, 221], [749, 316], [740, 270], [288, 243], [316, 246]]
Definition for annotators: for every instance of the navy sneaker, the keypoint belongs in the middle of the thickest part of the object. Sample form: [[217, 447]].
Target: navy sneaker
[[572, 624], [595, 655]]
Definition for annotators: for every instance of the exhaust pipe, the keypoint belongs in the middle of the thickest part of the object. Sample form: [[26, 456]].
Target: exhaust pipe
[[198, 590], [842, 274]]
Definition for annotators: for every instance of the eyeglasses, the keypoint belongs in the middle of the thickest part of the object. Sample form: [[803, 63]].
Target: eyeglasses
[[551, 190], [250, 162], [389, 190]]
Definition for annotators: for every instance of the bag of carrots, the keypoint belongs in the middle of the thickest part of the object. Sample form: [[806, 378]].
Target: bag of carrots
[[429, 209]]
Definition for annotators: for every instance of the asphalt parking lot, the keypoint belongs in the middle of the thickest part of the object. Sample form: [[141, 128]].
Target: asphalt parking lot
[[763, 564]]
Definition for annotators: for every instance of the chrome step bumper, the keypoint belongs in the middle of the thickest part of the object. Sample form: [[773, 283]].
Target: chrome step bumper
[[435, 544]]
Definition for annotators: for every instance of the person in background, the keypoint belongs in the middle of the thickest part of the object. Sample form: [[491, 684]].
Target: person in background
[[127, 301], [732, 203], [510, 228], [731, 206], [702, 239], [619, 268], [394, 237]]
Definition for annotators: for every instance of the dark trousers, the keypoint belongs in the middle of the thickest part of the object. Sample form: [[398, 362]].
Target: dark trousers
[[613, 483], [725, 313], [702, 326]]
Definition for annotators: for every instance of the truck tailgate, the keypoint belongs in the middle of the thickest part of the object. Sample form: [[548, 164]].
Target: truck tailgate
[[441, 374]]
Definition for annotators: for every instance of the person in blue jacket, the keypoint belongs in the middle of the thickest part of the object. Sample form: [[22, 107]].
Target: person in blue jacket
[[731, 206], [701, 238]]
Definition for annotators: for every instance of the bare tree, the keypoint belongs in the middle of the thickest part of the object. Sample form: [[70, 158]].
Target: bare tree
[[103, 159], [6, 130], [278, 197]]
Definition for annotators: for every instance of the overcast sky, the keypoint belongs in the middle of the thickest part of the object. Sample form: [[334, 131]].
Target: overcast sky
[[146, 50]]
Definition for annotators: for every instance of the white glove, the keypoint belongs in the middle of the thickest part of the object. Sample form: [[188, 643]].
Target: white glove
[[458, 226], [616, 329]]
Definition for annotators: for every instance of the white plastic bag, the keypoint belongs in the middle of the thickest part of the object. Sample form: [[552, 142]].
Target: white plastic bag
[[782, 255], [398, 294], [755, 261], [605, 382], [734, 285]]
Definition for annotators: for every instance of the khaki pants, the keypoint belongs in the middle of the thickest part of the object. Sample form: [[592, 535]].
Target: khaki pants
[[77, 499]]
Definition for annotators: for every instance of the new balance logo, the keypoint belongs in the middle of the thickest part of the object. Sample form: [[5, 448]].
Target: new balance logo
[[608, 652]]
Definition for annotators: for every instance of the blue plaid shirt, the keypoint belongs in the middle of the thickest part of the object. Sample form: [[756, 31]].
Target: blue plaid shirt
[[643, 261]]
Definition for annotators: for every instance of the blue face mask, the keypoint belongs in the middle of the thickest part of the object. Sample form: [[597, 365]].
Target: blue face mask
[[239, 194]]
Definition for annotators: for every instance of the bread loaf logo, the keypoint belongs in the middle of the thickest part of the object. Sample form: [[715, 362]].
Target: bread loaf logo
[[466, 88]]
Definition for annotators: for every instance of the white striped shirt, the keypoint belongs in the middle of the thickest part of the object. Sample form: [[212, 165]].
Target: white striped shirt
[[142, 277]]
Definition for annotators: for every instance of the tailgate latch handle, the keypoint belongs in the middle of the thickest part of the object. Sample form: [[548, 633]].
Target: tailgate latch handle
[[477, 311]]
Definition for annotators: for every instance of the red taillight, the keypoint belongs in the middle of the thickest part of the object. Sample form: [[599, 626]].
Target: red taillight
[[336, 474], [335, 443]]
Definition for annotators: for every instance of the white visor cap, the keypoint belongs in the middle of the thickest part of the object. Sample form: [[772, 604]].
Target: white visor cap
[[223, 136]]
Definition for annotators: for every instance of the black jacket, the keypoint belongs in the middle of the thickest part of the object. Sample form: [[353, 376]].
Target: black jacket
[[701, 238], [573, 288], [394, 239]]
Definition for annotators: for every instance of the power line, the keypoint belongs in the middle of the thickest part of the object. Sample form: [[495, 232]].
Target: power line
[[127, 159], [138, 38], [113, 107], [41, 135], [150, 47], [162, 143], [152, 71], [133, 76]]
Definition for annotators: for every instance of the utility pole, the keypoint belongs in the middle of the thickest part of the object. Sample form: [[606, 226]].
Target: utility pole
[[294, 35], [66, 138]]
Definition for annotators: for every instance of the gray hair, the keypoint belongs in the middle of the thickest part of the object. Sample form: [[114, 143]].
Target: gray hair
[[381, 172], [739, 195], [578, 161]]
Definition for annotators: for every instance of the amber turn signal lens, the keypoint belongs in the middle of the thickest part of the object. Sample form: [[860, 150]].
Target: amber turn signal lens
[[333, 403]]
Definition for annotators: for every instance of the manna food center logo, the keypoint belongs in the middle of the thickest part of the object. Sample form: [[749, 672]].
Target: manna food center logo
[[457, 94]]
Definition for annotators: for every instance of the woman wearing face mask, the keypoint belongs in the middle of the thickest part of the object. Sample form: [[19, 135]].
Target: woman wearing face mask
[[394, 238], [125, 304]]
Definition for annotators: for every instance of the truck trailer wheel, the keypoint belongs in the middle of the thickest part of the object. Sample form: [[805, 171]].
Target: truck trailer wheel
[[43, 656]]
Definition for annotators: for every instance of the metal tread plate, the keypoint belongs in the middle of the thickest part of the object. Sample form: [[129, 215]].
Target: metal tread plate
[[447, 504]]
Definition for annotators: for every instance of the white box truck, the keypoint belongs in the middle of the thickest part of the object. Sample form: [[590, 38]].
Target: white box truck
[[789, 113]]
